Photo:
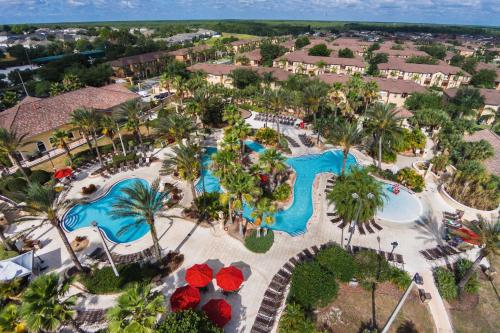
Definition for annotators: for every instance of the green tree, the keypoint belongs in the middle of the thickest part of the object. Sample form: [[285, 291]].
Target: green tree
[[484, 78], [131, 113], [346, 53], [175, 126], [109, 127], [319, 50], [302, 41], [187, 321], [60, 139], [10, 319], [185, 161], [425, 100], [314, 94], [431, 118], [263, 211], [466, 101], [346, 135], [142, 203], [88, 120], [428, 60], [269, 52], [272, 162], [136, 310], [294, 320], [45, 307], [10, 144], [244, 77], [78, 119]]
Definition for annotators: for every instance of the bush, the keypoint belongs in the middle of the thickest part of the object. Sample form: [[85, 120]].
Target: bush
[[266, 136], [319, 50], [411, 179], [282, 192], [337, 261], [440, 162], [119, 159], [400, 278], [259, 244], [461, 267], [294, 320], [40, 176], [445, 283], [370, 265], [6, 254], [313, 286], [89, 189], [346, 53], [104, 281], [187, 321]]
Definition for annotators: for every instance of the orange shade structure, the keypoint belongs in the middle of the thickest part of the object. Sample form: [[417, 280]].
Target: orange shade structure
[[218, 311], [184, 298], [199, 276], [229, 278]]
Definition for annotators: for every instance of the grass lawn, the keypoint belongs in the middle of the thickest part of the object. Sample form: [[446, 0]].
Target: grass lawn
[[482, 316], [212, 40], [259, 244], [352, 310]]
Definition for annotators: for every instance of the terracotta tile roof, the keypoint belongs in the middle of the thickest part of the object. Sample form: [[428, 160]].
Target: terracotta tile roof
[[185, 51], [303, 57], [37, 116], [401, 65], [289, 44], [221, 69], [245, 41], [491, 96], [403, 112], [138, 59], [253, 55], [390, 85], [493, 163], [401, 53]]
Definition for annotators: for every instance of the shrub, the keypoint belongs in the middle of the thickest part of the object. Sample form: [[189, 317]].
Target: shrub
[[6, 254], [370, 265], [312, 285], [445, 283], [104, 281], [346, 53], [40, 176], [187, 321], [319, 50], [259, 244], [338, 261], [282, 192], [294, 320], [411, 179], [461, 267], [266, 136], [400, 278], [119, 159], [89, 189], [440, 162]]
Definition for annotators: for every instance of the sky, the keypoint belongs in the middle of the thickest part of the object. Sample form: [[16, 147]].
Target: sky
[[475, 12]]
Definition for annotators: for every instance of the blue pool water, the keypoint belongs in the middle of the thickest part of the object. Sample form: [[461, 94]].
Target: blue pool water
[[255, 146], [394, 203], [82, 215], [208, 180]]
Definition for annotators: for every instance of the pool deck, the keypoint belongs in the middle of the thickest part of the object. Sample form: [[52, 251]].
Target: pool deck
[[215, 247]]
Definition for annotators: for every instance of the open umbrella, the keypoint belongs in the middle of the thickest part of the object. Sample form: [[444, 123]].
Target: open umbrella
[[218, 311], [229, 278], [183, 298], [199, 275], [63, 173]]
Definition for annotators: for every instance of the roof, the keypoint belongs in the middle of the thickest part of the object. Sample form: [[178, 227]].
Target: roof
[[245, 41], [222, 69], [402, 112], [138, 59], [34, 116], [304, 57], [493, 163], [482, 65], [289, 44], [390, 85], [401, 65], [491, 96], [408, 52], [253, 55]]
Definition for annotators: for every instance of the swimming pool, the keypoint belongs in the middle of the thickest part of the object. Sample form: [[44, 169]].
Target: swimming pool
[[99, 210], [403, 207]]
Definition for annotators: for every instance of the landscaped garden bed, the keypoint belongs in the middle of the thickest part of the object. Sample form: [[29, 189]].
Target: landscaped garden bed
[[260, 244]]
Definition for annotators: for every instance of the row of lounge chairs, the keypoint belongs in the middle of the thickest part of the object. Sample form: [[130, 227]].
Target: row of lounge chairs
[[440, 251], [285, 120], [90, 317], [456, 216], [306, 141], [99, 255], [389, 256], [292, 141]]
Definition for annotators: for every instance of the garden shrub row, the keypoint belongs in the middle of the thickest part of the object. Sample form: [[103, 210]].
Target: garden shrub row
[[447, 280]]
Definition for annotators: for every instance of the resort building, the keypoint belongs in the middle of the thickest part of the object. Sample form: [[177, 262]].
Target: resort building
[[299, 62], [289, 45], [492, 164], [254, 58], [491, 102], [40, 117], [220, 73], [390, 90], [404, 54], [442, 75], [243, 45], [483, 65], [190, 54], [141, 65]]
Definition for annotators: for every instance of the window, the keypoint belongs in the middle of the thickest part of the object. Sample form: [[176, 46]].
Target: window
[[41, 146]]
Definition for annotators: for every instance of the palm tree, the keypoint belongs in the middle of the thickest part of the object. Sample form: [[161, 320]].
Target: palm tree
[[10, 143], [370, 93], [179, 84], [137, 310], [59, 139], [383, 124], [44, 308], [263, 211], [336, 95], [223, 161], [489, 238], [6, 209], [44, 200], [109, 128], [346, 135], [131, 113], [231, 114], [277, 100], [185, 161], [241, 130], [314, 93], [78, 121], [272, 162], [10, 320], [165, 81], [175, 126], [357, 196], [89, 120]]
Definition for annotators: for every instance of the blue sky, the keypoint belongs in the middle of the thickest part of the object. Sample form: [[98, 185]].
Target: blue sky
[[482, 12]]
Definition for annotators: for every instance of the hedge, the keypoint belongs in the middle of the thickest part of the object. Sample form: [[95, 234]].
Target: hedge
[[187, 321], [259, 244], [338, 261], [445, 283]]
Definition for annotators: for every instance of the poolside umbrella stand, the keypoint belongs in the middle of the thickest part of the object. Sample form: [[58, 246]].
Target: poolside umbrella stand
[[229, 278], [199, 276], [184, 298], [218, 311], [63, 173]]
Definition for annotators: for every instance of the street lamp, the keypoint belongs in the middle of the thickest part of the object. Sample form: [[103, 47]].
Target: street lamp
[[394, 245], [106, 249]]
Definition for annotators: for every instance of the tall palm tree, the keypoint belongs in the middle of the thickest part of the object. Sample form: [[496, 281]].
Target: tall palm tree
[[110, 128], [10, 143], [335, 95], [10, 319], [370, 93], [231, 114], [137, 310], [223, 161], [165, 81], [131, 113], [357, 196], [60, 139], [142, 202], [277, 101], [263, 212], [175, 126], [179, 84], [241, 130], [6, 209], [346, 135], [78, 121], [383, 124], [185, 161], [489, 238], [89, 120], [44, 200], [44, 306], [272, 162], [314, 93]]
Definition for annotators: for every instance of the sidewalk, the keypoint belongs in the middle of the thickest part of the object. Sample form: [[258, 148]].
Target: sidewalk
[[436, 304]]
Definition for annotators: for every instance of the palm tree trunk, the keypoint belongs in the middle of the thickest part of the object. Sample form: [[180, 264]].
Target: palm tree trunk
[[74, 258], [230, 210], [342, 238], [68, 151], [380, 152], [470, 271], [88, 142], [344, 161], [374, 317], [94, 138], [140, 142], [156, 243], [115, 150], [278, 132], [6, 242], [20, 167], [193, 190]]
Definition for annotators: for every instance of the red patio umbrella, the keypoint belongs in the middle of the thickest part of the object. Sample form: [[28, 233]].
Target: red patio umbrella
[[199, 275], [63, 173], [183, 298], [229, 278], [218, 311]]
